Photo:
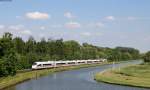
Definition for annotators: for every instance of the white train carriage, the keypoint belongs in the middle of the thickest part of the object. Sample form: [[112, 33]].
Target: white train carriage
[[52, 64], [42, 65], [71, 62], [81, 62]]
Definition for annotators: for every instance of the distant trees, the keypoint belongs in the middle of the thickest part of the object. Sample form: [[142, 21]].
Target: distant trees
[[17, 54], [122, 53], [89, 51], [72, 50], [147, 57], [19, 45]]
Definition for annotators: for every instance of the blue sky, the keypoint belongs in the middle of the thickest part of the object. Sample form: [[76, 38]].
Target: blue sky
[[107, 23]]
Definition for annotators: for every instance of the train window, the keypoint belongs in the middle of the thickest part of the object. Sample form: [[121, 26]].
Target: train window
[[89, 61], [71, 63], [95, 61], [60, 63], [81, 62], [39, 65], [47, 64], [34, 63]]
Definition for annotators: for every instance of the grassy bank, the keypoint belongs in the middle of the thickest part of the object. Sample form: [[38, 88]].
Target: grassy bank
[[137, 75], [20, 77]]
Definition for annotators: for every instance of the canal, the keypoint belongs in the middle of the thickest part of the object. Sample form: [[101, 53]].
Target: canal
[[82, 79]]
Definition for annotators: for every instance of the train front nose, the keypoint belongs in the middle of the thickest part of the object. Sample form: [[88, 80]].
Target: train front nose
[[33, 66]]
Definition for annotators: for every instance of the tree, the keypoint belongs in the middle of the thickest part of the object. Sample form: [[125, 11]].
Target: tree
[[147, 57], [59, 47], [2, 68], [19, 45], [8, 56], [10, 63], [30, 45], [71, 50], [101, 54], [89, 51]]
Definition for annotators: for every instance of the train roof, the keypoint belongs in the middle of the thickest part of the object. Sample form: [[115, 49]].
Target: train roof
[[52, 62]]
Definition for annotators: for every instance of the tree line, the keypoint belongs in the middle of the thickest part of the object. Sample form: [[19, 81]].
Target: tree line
[[17, 54], [146, 57]]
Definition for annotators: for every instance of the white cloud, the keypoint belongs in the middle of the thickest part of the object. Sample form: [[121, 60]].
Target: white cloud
[[37, 15], [99, 24], [18, 30], [42, 28], [26, 32], [41, 35], [138, 18], [131, 18], [69, 15], [2, 26], [93, 34], [56, 26], [86, 34], [110, 18], [98, 34], [16, 27], [72, 25]]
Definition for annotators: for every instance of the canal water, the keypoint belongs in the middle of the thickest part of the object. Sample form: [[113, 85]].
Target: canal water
[[81, 79]]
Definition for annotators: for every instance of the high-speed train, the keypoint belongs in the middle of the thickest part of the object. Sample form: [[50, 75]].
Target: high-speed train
[[52, 64]]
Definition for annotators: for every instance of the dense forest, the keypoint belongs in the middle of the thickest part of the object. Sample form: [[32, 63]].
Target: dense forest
[[17, 54]]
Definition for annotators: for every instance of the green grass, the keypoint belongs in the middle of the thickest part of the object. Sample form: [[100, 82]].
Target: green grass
[[137, 75], [20, 77]]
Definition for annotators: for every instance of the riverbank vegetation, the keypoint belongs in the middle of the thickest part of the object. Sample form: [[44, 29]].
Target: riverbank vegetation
[[20, 77], [137, 75], [17, 54]]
